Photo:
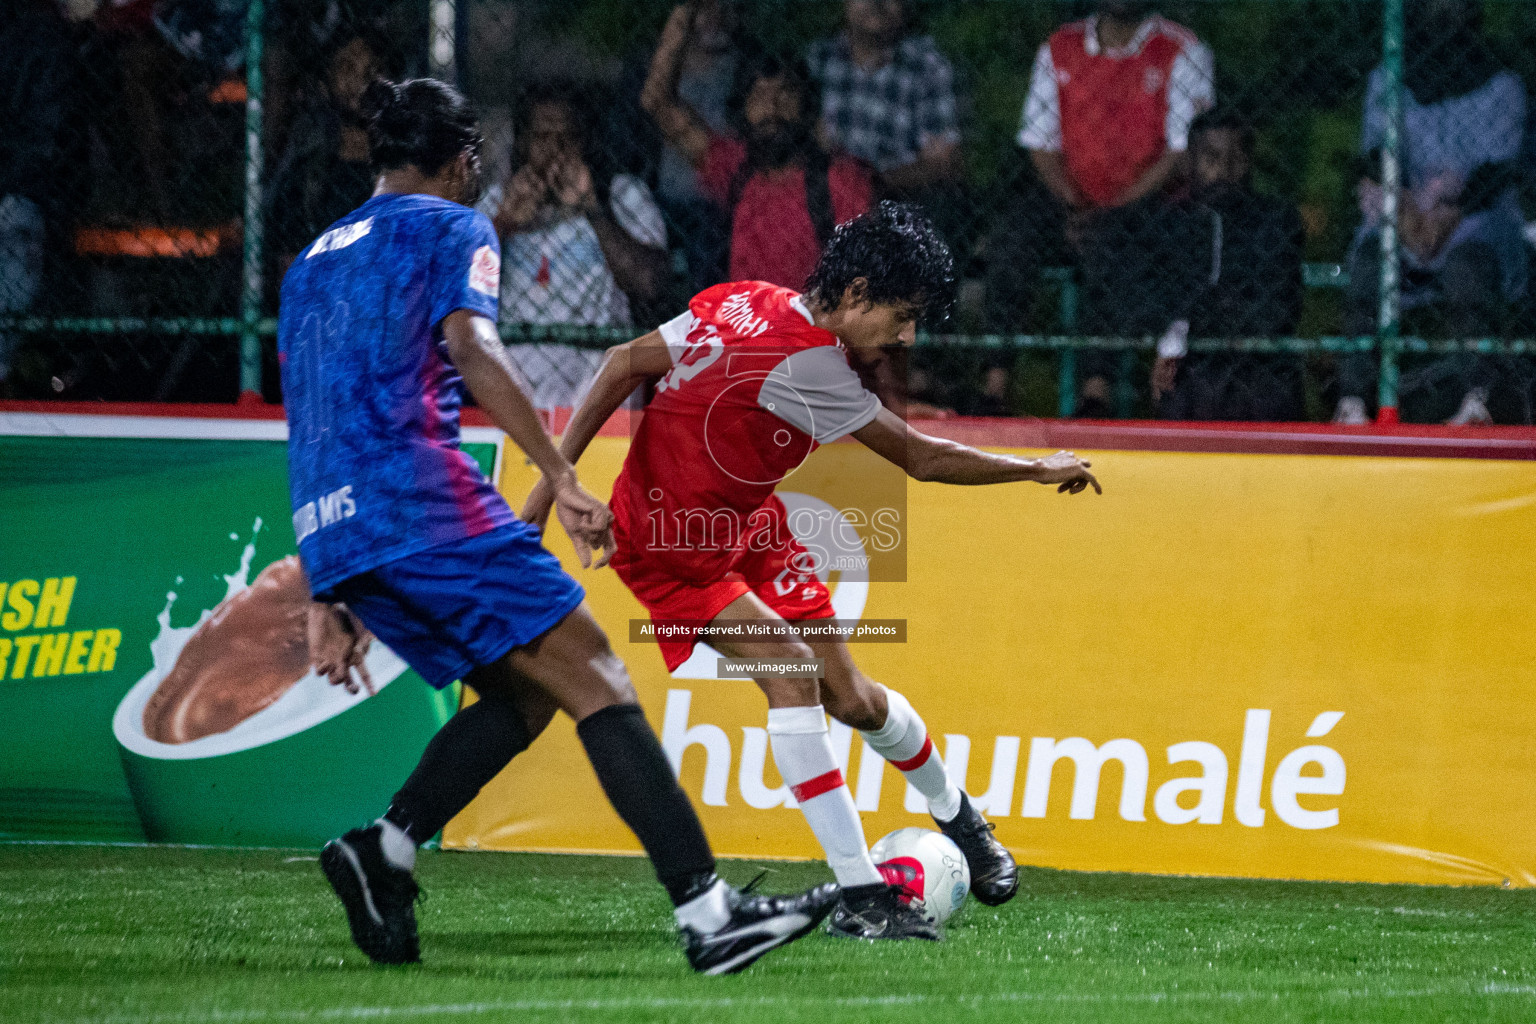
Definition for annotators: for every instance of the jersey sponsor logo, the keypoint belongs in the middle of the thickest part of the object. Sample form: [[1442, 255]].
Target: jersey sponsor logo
[[1153, 80], [328, 510], [485, 271], [737, 313], [340, 238]]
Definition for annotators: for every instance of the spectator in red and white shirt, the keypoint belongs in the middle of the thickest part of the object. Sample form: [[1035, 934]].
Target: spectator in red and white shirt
[[1110, 103], [1106, 128], [782, 192]]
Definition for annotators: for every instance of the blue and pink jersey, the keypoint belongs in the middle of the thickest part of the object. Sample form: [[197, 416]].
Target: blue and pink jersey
[[374, 465]]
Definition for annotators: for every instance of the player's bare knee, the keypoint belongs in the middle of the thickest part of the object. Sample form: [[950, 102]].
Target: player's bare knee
[[790, 693], [856, 706], [850, 696], [608, 679], [610, 667]]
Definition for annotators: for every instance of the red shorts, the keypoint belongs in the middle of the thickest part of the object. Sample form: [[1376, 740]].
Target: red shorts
[[776, 572]]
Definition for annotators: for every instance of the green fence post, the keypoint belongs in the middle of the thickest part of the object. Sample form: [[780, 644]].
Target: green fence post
[[1391, 174], [1066, 384], [250, 291]]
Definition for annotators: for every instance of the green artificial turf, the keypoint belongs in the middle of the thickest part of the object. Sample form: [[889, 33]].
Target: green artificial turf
[[141, 935]]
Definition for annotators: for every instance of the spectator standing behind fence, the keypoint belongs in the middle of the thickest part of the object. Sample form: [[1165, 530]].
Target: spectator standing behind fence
[[888, 98], [712, 63], [578, 245], [1106, 126], [1463, 257], [324, 174], [782, 192], [36, 65], [1229, 265]]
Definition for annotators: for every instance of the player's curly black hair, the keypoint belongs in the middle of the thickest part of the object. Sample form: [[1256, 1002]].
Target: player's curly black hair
[[419, 122], [897, 250]]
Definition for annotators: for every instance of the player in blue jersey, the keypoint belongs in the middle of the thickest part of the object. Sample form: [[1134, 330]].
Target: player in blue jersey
[[385, 319]]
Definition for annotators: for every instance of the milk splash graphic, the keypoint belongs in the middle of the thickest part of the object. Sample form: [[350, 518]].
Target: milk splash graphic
[[306, 703]]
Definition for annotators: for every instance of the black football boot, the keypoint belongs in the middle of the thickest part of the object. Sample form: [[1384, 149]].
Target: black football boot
[[994, 875], [379, 898], [758, 925], [878, 911]]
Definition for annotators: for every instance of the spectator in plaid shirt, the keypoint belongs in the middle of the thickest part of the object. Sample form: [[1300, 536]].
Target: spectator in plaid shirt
[[887, 97]]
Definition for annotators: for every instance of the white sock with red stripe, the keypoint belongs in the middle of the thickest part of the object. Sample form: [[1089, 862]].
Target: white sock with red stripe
[[903, 740], [802, 749]]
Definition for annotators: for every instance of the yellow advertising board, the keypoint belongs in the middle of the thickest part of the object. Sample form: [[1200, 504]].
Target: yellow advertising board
[[1288, 666]]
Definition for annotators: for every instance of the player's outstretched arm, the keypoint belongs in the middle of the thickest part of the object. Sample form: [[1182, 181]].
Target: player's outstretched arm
[[933, 458], [477, 352], [625, 367]]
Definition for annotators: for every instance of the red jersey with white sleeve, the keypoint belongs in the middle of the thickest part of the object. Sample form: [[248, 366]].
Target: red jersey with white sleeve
[[755, 387]]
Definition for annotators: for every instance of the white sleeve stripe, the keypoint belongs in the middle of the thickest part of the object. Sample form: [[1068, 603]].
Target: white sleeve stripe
[[1040, 124], [1191, 90], [675, 333], [797, 302]]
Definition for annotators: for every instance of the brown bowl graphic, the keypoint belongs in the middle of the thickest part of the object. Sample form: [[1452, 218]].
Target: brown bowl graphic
[[240, 661], [232, 739]]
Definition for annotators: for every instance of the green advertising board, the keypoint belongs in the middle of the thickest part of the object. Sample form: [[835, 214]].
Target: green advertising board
[[120, 538]]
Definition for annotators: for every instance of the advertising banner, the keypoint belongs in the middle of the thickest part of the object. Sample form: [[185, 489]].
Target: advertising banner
[[1229, 664], [154, 673], [1233, 664]]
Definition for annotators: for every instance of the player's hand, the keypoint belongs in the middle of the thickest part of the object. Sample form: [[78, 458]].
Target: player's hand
[[536, 509], [586, 520], [361, 643], [338, 645], [1069, 471]]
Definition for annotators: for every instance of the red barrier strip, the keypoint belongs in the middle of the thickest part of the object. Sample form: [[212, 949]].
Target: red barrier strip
[[1400, 441]]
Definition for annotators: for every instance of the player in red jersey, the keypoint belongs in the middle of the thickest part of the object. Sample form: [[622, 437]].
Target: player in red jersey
[[748, 382]]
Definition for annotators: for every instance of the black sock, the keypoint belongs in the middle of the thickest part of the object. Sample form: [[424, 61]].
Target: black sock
[[465, 754], [639, 782]]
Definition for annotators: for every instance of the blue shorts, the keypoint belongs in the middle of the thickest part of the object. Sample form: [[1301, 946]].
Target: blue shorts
[[460, 605]]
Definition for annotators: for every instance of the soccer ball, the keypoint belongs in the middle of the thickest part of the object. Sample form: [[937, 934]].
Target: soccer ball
[[929, 867]]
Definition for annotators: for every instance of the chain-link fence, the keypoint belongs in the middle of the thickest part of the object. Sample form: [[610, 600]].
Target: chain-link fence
[[1231, 209]]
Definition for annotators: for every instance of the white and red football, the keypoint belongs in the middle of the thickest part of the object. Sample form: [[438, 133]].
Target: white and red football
[[930, 869]]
